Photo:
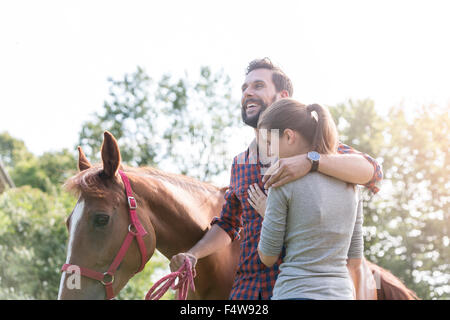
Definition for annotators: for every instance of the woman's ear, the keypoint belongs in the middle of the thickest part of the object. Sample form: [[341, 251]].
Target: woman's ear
[[290, 136]]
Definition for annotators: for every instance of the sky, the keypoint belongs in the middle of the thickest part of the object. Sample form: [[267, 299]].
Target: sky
[[56, 56]]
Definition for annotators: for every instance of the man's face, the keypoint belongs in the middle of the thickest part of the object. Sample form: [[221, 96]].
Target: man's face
[[258, 93]]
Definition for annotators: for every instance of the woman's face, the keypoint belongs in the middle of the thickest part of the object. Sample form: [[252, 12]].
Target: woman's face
[[272, 145], [290, 144]]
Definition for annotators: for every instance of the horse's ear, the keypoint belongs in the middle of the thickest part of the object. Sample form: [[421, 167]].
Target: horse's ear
[[110, 155], [83, 162]]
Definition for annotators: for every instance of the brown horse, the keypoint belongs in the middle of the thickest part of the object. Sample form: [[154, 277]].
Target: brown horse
[[175, 212]]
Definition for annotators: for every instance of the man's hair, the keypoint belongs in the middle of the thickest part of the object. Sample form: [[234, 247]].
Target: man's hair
[[279, 78]]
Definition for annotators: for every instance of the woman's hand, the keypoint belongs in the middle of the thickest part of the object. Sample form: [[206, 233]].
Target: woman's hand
[[257, 199]]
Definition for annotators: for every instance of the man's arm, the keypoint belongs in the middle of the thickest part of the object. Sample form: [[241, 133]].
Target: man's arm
[[349, 165], [352, 168], [215, 239]]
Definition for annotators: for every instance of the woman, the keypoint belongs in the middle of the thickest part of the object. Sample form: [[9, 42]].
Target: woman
[[315, 217]]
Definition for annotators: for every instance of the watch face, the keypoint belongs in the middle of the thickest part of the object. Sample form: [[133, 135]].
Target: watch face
[[313, 155]]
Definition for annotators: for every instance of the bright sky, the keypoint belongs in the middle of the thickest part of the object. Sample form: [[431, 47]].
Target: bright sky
[[55, 56]]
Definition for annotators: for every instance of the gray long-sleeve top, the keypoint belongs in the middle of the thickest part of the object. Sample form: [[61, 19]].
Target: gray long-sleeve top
[[319, 220]]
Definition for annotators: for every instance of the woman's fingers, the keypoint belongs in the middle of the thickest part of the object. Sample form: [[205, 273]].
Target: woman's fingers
[[252, 204], [258, 190], [255, 192]]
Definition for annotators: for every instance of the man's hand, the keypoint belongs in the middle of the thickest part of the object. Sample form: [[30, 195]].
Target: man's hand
[[178, 260], [257, 199], [286, 170]]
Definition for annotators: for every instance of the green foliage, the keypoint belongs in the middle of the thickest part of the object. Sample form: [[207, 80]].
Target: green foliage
[[32, 242], [168, 123], [360, 126], [407, 225], [140, 284], [12, 150], [58, 166], [44, 172], [417, 211], [130, 116]]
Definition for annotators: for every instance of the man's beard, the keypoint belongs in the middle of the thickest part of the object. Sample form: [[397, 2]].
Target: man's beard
[[252, 121]]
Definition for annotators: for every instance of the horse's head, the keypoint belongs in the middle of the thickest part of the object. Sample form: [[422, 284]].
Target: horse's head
[[101, 228]]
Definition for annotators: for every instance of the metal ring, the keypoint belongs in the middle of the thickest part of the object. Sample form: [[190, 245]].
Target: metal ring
[[109, 282], [134, 231]]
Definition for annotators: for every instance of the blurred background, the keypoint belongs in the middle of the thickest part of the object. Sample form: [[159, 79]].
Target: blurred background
[[165, 78]]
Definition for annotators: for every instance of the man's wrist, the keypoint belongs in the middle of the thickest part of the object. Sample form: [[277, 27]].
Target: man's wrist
[[192, 254], [314, 158]]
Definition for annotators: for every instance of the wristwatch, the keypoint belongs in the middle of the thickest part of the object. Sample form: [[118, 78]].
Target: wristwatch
[[314, 157]]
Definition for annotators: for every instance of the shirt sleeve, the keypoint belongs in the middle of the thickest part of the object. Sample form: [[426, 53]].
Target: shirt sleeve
[[230, 216], [357, 243], [373, 184], [274, 224]]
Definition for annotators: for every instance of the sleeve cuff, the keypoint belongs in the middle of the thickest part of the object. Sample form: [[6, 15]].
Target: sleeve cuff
[[232, 232]]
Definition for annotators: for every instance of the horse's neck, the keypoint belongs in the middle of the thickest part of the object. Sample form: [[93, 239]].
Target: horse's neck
[[180, 217]]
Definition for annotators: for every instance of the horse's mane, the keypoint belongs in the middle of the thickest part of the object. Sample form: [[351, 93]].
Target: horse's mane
[[91, 182], [185, 182]]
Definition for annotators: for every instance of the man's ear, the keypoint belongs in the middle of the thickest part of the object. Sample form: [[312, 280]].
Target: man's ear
[[284, 94]]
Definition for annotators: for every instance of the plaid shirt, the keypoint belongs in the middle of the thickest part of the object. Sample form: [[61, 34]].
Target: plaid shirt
[[239, 219]]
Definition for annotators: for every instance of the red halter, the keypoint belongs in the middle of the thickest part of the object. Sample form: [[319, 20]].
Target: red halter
[[135, 229]]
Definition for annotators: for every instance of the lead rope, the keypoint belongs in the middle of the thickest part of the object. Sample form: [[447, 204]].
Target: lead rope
[[185, 280]]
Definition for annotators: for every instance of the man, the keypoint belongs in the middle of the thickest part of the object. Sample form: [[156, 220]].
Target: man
[[265, 84]]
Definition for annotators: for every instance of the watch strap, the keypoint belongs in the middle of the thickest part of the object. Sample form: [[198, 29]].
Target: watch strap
[[314, 166]]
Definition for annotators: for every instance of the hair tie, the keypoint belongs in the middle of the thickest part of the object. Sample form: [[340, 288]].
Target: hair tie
[[311, 108]]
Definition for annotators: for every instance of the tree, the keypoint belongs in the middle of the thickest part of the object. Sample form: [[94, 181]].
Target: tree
[[180, 125], [130, 116], [406, 226], [44, 172], [12, 150], [32, 243], [416, 211]]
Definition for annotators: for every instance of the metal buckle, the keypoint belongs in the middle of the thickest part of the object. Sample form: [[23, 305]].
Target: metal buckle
[[134, 205], [109, 282]]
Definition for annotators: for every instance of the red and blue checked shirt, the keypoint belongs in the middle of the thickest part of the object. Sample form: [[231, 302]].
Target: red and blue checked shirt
[[238, 218]]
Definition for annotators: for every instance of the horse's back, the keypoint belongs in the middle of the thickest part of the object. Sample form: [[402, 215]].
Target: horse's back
[[388, 286]]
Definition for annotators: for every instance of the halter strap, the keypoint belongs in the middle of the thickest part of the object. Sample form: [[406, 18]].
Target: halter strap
[[140, 231], [135, 230]]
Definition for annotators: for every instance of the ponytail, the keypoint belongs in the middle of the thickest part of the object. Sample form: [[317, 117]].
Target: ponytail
[[325, 136]]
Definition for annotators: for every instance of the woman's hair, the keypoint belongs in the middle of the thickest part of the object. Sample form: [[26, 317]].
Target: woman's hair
[[320, 131]]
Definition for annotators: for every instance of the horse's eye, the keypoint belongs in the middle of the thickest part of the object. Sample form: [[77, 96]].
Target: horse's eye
[[101, 220]]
